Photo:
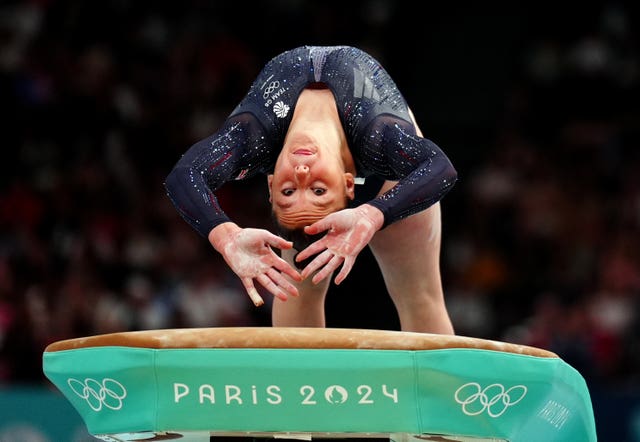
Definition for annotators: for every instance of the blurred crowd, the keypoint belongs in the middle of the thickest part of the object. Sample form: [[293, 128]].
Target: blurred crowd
[[541, 238], [544, 242]]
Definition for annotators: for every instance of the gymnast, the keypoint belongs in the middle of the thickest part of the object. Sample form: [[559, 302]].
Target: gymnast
[[318, 121]]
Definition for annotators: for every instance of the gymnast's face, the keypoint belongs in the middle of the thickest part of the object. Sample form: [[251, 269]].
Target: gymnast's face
[[307, 184]]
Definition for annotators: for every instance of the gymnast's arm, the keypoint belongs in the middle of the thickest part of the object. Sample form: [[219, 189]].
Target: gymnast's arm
[[426, 173], [202, 170]]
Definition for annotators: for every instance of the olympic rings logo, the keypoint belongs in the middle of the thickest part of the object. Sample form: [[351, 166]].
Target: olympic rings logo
[[273, 86], [493, 399], [109, 393]]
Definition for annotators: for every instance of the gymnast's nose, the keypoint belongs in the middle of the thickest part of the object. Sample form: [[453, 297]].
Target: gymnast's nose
[[301, 172]]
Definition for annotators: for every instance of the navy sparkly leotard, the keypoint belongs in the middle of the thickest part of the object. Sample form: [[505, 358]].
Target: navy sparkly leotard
[[374, 115]]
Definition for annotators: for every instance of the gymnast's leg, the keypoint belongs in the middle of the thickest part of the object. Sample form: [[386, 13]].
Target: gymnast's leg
[[408, 253], [306, 310]]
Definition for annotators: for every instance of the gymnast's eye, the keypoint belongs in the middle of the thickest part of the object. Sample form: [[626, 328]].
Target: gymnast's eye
[[319, 190], [288, 191]]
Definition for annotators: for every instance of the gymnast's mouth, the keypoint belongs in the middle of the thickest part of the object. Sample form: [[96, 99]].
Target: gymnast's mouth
[[303, 152]]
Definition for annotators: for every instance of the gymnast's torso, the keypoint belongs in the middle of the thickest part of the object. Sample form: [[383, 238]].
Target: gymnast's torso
[[373, 113]]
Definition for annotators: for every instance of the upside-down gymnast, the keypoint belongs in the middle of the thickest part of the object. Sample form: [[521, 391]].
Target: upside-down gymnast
[[316, 121]]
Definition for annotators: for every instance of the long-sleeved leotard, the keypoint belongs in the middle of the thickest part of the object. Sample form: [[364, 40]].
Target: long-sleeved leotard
[[375, 117]]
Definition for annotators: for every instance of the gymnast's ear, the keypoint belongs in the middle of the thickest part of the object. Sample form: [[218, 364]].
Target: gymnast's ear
[[269, 181], [349, 185]]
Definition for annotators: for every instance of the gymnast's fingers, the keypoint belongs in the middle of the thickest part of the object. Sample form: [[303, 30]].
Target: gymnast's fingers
[[328, 269], [282, 282], [319, 226], [311, 250], [344, 271], [277, 242], [283, 266], [253, 293], [271, 286], [319, 261]]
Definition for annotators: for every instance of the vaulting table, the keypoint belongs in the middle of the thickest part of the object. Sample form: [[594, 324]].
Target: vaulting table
[[308, 383]]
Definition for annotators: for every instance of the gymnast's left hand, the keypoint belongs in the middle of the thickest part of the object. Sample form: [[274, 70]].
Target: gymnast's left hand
[[348, 232]]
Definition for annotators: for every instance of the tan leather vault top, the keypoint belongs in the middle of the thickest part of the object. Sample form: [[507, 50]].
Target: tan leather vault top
[[291, 337]]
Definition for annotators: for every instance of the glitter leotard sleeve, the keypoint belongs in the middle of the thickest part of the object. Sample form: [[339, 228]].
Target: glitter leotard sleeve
[[381, 134], [374, 115]]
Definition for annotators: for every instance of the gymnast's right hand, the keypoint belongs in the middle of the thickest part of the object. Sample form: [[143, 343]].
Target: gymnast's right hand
[[250, 255]]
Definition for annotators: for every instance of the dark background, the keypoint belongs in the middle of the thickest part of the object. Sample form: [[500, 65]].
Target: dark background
[[535, 104]]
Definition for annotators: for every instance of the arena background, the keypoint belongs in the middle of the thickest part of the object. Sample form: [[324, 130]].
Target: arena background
[[536, 105]]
